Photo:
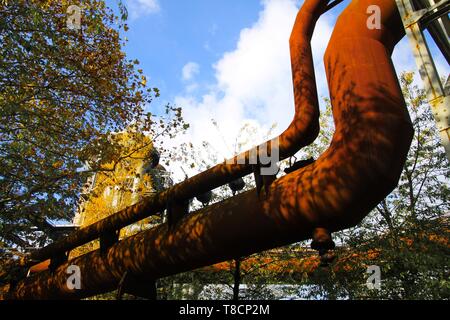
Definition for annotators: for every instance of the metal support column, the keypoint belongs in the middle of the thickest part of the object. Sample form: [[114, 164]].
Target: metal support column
[[415, 22]]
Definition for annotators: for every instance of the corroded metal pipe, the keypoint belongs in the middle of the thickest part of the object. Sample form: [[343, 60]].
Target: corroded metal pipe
[[302, 131], [361, 167]]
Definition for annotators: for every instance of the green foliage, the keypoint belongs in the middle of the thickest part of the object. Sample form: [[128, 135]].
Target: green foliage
[[62, 93]]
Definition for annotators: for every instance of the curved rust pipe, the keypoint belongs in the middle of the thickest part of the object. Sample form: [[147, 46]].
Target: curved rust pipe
[[361, 167], [302, 131]]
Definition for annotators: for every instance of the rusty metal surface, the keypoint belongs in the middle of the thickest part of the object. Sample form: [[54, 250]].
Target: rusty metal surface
[[42, 266], [361, 166]]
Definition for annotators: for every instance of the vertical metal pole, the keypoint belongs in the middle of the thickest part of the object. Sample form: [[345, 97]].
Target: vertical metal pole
[[439, 102]]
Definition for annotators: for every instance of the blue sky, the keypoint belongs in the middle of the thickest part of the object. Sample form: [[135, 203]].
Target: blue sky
[[175, 32], [228, 60]]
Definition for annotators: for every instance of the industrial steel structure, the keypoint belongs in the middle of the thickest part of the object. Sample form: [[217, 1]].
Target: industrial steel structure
[[361, 167], [418, 15]]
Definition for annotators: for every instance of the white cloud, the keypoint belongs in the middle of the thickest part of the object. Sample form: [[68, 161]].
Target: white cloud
[[138, 8], [190, 70], [253, 82]]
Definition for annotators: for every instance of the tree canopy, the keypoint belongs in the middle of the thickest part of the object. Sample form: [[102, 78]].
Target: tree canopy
[[63, 91]]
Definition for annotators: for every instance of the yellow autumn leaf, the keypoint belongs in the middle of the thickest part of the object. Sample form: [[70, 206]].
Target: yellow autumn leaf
[[57, 164]]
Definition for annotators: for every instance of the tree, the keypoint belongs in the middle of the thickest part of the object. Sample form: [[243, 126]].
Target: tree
[[63, 91]]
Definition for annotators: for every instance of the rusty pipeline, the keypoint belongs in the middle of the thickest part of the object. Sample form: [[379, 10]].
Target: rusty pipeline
[[361, 167], [302, 131]]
